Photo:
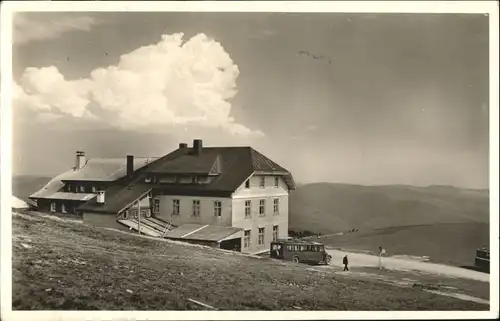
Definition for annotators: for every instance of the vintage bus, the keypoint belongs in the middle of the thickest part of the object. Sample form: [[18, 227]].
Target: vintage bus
[[300, 251]]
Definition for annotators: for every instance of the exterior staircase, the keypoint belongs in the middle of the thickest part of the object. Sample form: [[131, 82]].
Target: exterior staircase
[[150, 226]]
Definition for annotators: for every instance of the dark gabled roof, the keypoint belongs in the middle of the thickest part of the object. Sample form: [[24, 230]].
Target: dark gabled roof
[[233, 164], [261, 163], [116, 198], [95, 170], [188, 164]]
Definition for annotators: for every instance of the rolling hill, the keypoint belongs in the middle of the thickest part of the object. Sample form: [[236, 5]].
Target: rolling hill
[[330, 208], [25, 185]]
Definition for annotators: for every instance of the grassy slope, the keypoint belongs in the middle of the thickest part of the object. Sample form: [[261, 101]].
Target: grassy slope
[[77, 267], [25, 185], [329, 208]]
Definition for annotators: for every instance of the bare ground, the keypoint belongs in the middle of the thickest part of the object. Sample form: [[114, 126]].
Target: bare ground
[[61, 265]]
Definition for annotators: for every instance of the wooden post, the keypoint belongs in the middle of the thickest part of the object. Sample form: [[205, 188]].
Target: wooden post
[[139, 216]]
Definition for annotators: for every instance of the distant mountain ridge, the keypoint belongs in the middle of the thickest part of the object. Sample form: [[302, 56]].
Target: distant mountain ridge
[[25, 185], [334, 207]]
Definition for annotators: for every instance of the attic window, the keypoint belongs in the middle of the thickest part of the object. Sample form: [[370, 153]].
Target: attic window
[[262, 182], [247, 183], [276, 182]]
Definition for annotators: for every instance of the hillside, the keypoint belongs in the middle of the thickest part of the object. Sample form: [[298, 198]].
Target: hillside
[[25, 185], [446, 243], [81, 268], [331, 208]]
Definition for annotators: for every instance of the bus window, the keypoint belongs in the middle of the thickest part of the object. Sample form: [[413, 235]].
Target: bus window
[[289, 247], [303, 248]]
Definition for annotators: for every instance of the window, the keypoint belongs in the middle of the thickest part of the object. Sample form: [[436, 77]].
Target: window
[[262, 182], [276, 182], [82, 189], [196, 207], [147, 180], [217, 208], [175, 207], [246, 239], [248, 209], [52, 207], [93, 189], [275, 232], [262, 208], [276, 206], [156, 205], [63, 208], [68, 188], [247, 183], [261, 235]]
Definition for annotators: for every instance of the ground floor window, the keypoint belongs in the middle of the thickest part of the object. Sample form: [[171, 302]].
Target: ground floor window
[[175, 207], [196, 207], [63, 208], [53, 207], [246, 239], [261, 235], [275, 232], [156, 205], [218, 208]]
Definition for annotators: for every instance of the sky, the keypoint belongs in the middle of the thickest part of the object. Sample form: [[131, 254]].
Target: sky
[[369, 99]]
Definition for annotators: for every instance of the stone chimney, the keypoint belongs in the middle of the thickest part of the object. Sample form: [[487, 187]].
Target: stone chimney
[[197, 146], [80, 160], [130, 165]]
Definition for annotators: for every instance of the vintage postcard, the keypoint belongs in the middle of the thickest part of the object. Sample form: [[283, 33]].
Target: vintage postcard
[[226, 160]]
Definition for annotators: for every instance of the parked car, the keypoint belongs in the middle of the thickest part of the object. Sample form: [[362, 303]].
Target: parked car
[[300, 251], [483, 258]]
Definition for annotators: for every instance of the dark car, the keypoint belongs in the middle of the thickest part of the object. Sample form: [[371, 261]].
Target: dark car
[[483, 258]]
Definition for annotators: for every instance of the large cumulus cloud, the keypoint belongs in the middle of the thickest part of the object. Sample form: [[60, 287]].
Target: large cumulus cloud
[[171, 83]]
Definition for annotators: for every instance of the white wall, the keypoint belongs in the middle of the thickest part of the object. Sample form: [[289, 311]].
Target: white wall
[[255, 193], [207, 215]]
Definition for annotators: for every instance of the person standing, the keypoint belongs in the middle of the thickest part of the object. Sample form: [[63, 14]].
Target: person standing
[[345, 261], [380, 253]]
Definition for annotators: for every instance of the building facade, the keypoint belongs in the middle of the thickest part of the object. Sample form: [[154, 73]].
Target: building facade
[[232, 197]]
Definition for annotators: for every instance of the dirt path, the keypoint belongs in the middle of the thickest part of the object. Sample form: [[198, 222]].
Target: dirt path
[[390, 263]]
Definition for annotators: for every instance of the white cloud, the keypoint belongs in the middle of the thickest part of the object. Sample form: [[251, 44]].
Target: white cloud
[[157, 86], [28, 27]]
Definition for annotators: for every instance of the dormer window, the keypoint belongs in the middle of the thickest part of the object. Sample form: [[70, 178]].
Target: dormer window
[[262, 182]]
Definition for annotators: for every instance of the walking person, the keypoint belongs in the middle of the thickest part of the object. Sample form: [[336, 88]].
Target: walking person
[[345, 261], [380, 253]]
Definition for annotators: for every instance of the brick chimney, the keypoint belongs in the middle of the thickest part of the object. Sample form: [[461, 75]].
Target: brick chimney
[[183, 145], [197, 146], [80, 160], [130, 165]]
